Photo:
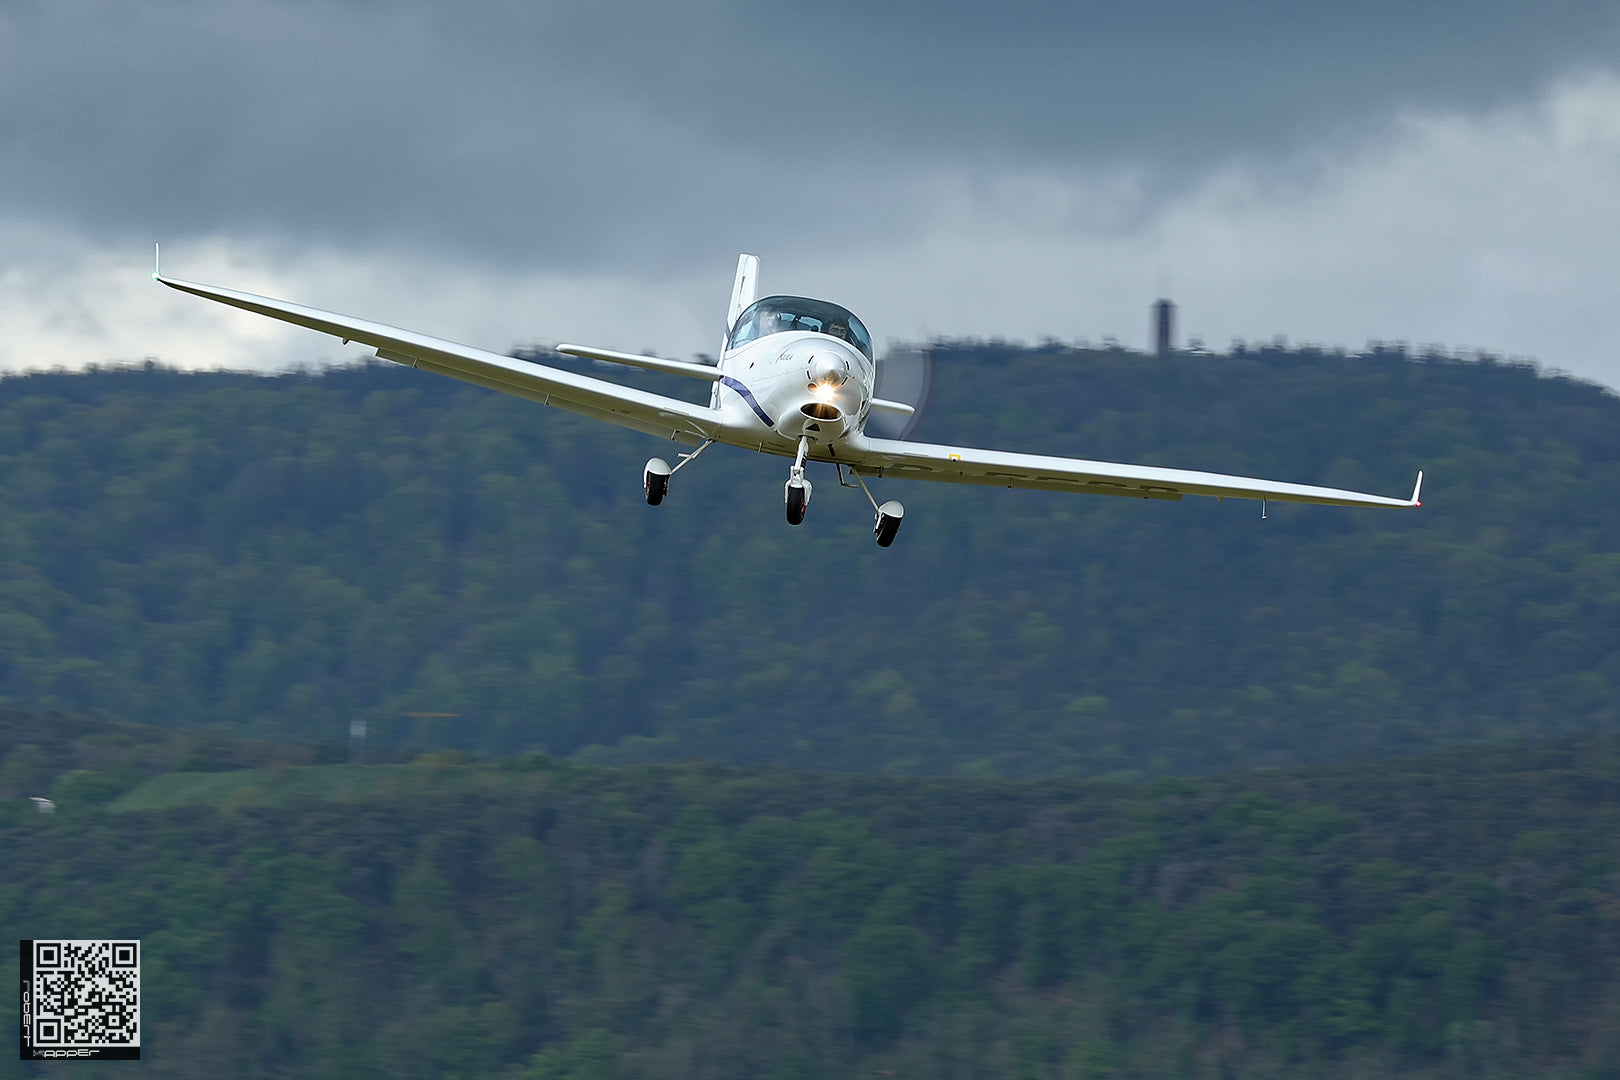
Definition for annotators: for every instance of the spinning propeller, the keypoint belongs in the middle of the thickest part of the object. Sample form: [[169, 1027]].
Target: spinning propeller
[[905, 374]]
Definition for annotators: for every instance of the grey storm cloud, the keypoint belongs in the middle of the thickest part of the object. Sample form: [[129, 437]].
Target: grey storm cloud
[[572, 134]]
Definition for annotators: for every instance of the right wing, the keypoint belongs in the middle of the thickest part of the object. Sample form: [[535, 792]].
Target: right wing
[[965, 465], [626, 406]]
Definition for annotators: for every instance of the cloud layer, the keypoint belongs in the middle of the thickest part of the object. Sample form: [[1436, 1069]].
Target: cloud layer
[[511, 173]]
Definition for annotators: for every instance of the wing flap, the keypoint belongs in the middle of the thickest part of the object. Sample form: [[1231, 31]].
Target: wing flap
[[626, 406], [966, 465]]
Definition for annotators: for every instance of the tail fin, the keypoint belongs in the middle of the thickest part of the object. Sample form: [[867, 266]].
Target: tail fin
[[742, 290]]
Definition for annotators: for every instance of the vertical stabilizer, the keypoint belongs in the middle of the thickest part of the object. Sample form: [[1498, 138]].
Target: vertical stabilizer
[[743, 289]]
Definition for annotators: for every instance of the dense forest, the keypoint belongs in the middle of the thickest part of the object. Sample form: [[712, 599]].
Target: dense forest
[[278, 557], [1451, 916]]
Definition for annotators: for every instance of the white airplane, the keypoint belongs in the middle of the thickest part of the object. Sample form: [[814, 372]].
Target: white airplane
[[795, 378]]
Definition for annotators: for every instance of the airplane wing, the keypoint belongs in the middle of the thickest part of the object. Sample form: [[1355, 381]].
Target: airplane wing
[[964, 465], [626, 406]]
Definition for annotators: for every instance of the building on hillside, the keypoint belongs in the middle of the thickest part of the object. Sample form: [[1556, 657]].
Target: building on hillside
[[1164, 328]]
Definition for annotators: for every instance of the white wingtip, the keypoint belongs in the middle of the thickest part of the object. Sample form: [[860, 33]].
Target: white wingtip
[[157, 263], [1417, 490]]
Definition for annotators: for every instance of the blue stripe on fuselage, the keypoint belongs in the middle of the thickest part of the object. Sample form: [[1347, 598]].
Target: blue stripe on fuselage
[[747, 395]]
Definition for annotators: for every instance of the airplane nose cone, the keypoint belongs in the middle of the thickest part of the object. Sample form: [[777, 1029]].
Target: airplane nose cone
[[828, 369]]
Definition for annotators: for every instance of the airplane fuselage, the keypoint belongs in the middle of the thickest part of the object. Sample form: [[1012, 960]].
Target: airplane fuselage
[[793, 384], [796, 374]]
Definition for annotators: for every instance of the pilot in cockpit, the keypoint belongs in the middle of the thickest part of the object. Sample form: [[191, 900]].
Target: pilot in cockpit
[[838, 330]]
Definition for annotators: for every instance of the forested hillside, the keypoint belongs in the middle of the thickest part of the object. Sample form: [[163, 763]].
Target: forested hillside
[[1447, 917], [280, 556]]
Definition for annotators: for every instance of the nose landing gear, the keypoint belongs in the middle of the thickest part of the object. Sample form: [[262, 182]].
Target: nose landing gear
[[797, 492]]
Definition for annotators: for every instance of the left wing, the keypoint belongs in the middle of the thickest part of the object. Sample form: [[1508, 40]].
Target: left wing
[[626, 406], [964, 465]]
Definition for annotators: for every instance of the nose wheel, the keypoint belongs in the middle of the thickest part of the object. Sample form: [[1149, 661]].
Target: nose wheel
[[798, 501], [797, 492]]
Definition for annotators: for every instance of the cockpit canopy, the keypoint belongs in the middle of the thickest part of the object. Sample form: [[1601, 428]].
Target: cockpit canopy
[[776, 314]]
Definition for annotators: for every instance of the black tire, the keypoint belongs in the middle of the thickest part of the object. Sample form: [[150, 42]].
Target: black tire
[[796, 505], [887, 529], [657, 487]]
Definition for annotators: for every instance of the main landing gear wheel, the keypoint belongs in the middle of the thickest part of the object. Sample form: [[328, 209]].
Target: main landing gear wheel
[[887, 527], [655, 481]]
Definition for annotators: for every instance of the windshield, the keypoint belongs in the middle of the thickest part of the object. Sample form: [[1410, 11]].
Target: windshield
[[776, 314]]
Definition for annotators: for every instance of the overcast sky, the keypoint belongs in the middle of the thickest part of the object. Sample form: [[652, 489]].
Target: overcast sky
[[506, 173]]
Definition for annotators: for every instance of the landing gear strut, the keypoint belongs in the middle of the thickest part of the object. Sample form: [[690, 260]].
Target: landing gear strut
[[655, 478], [797, 492]]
